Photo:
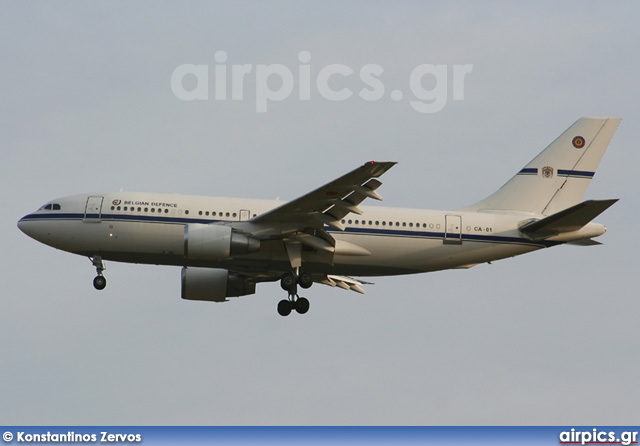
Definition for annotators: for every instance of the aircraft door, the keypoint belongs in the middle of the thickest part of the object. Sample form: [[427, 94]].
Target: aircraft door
[[245, 214], [93, 210], [453, 229]]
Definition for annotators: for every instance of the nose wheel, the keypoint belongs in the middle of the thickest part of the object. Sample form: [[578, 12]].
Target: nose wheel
[[289, 283], [99, 282]]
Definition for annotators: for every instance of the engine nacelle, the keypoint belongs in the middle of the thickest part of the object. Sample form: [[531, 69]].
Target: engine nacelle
[[213, 285], [216, 242]]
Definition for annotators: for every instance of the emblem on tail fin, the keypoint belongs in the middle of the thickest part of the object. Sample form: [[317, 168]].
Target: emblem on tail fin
[[578, 142], [547, 172]]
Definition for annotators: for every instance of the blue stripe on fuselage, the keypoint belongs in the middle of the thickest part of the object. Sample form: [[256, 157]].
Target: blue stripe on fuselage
[[161, 219]]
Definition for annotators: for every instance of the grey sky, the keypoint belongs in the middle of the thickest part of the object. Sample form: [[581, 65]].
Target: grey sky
[[547, 338]]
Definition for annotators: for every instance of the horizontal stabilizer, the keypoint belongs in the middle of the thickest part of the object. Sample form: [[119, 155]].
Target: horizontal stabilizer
[[568, 220], [585, 242]]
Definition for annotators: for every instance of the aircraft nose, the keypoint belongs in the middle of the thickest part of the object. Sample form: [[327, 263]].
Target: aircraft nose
[[28, 227], [39, 229], [21, 224]]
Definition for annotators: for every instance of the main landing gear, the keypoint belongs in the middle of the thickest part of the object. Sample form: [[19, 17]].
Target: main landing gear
[[289, 283], [99, 282]]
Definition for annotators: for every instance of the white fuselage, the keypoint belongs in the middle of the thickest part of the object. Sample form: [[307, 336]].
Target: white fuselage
[[150, 228]]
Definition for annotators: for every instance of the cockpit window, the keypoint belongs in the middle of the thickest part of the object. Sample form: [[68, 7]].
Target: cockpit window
[[51, 207]]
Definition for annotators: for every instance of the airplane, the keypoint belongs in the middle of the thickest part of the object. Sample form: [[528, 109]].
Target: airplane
[[226, 246]]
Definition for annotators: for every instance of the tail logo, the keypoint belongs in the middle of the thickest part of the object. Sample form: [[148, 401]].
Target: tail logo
[[547, 172], [578, 142]]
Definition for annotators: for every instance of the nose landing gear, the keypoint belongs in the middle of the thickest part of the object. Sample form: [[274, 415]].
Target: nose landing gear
[[99, 282], [289, 283]]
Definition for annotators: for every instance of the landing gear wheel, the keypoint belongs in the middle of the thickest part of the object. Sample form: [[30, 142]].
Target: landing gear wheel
[[288, 281], [99, 283], [305, 280], [302, 305], [285, 307]]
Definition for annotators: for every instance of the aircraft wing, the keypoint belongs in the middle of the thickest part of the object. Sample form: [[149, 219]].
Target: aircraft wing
[[328, 204], [344, 282]]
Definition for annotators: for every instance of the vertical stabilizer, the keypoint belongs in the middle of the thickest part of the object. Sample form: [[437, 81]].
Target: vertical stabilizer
[[559, 176]]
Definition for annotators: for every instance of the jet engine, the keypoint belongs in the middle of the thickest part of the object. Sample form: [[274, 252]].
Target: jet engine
[[213, 285], [216, 242]]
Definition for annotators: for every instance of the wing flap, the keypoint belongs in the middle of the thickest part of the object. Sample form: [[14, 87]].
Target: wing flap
[[346, 283], [330, 220]]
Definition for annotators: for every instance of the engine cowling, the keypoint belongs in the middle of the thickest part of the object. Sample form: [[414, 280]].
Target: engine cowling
[[216, 242], [213, 285]]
